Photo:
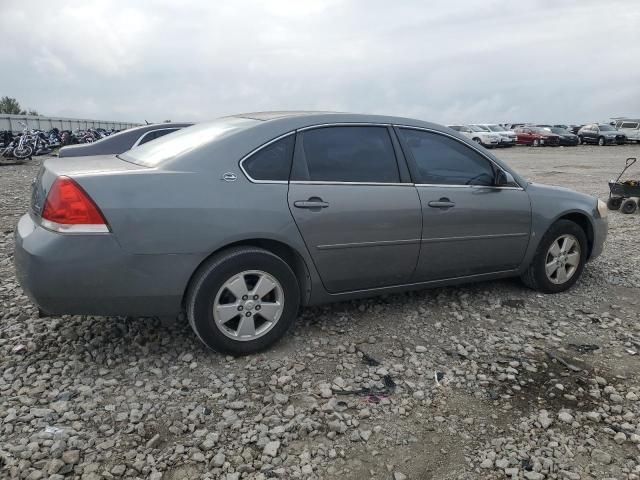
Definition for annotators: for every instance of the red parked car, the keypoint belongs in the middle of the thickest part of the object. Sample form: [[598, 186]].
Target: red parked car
[[536, 136]]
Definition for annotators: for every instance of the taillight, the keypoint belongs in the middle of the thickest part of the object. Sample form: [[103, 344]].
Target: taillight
[[68, 208]]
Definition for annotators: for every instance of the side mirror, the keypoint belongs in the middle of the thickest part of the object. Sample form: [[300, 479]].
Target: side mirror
[[504, 179]]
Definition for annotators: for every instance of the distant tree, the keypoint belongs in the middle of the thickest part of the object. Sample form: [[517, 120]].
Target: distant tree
[[12, 107]]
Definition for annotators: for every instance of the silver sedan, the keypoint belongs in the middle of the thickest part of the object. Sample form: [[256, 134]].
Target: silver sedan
[[240, 221]]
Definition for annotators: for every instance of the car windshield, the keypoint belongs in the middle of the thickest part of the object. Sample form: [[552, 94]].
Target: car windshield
[[539, 130], [475, 128], [561, 131], [606, 128], [164, 148], [496, 128], [482, 128]]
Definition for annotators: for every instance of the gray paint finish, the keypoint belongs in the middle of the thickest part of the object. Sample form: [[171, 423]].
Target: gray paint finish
[[166, 220]]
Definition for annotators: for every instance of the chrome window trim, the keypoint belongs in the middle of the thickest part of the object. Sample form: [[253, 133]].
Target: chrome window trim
[[344, 124], [332, 182], [466, 186], [473, 147], [152, 131], [256, 150]]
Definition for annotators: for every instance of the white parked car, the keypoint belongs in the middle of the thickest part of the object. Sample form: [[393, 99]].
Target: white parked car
[[631, 128], [479, 135], [507, 137]]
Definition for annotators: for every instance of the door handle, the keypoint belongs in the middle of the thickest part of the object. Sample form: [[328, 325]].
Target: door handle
[[442, 203], [312, 203]]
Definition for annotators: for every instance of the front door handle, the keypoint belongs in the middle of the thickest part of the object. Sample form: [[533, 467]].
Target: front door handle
[[442, 203], [313, 203]]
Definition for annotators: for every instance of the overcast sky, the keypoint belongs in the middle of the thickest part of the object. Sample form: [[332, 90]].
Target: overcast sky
[[444, 61]]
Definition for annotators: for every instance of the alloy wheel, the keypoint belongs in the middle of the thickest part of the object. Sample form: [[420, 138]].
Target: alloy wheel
[[248, 305], [563, 259]]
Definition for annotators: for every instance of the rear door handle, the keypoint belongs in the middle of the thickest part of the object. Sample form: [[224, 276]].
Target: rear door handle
[[312, 203], [442, 203]]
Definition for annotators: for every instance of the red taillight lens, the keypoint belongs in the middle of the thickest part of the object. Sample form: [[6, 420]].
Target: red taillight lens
[[68, 204]]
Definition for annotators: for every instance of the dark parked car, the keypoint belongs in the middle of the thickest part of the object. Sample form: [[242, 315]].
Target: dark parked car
[[536, 136], [240, 221], [601, 134], [566, 138], [122, 141]]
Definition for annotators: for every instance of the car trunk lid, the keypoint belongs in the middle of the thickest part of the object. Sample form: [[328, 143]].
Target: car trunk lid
[[75, 168]]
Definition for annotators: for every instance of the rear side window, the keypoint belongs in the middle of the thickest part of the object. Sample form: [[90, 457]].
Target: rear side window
[[272, 162], [441, 160], [349, 154], [629, 125]]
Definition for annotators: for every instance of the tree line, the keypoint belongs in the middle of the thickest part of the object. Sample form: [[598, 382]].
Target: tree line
[[12, 107]]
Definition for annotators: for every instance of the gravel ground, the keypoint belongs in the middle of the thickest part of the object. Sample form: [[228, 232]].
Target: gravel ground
[[489, 380]]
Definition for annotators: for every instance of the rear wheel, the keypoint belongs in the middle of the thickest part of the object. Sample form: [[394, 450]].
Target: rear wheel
[[614, 203], [559, 259], [23, 152], [629, 206], [242, 300]]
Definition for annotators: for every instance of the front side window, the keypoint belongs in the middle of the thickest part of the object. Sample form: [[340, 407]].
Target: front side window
[[272, 162], [349, 154], [442, 160]]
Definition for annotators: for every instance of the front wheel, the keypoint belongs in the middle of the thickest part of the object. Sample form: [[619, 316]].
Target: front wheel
[[629, 206], [601, 141], [559, 259], [536, 142], [242, 300], [580, 141], [23, 152]]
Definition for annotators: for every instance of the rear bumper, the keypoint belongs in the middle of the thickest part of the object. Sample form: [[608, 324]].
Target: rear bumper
[[600, 230], [92, 275]]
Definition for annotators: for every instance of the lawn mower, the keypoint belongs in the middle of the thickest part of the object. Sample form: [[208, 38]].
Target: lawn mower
[[623, 195]]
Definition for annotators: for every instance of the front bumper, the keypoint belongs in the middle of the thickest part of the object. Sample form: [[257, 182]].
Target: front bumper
[[600, 230], [617, 140], [92, 275], [507, 141]]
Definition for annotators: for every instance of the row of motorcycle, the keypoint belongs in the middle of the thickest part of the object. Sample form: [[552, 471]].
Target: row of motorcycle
[[32, 142]]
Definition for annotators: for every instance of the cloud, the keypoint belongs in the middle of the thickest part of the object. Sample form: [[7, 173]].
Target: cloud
[[443, 61]]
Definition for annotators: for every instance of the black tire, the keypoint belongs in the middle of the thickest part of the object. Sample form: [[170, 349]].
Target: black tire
[[211, 277], [629, 206], [535, 143], [580, 141], [535, 276], [614, 203], [601, 141], [23, 152], [478, 141]]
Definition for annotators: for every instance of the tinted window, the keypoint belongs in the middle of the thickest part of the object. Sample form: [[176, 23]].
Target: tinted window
[[349, 154], [272, 162], [629, 125], [445, 161]]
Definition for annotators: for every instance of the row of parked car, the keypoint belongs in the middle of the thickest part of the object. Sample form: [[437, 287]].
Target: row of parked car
[[490, 135]]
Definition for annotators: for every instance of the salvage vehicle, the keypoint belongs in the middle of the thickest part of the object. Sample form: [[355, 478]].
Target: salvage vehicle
[[631, 129], [565, 137], [508, 138], [536, 136], [122, 141], [481, 136], [240, 221], [601, 134]]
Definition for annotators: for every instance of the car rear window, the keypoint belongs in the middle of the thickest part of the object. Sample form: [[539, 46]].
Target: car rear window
[[272, 162], [169, 146]]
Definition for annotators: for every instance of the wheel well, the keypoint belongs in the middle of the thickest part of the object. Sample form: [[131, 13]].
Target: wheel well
[[583, 222], [284, 251]]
